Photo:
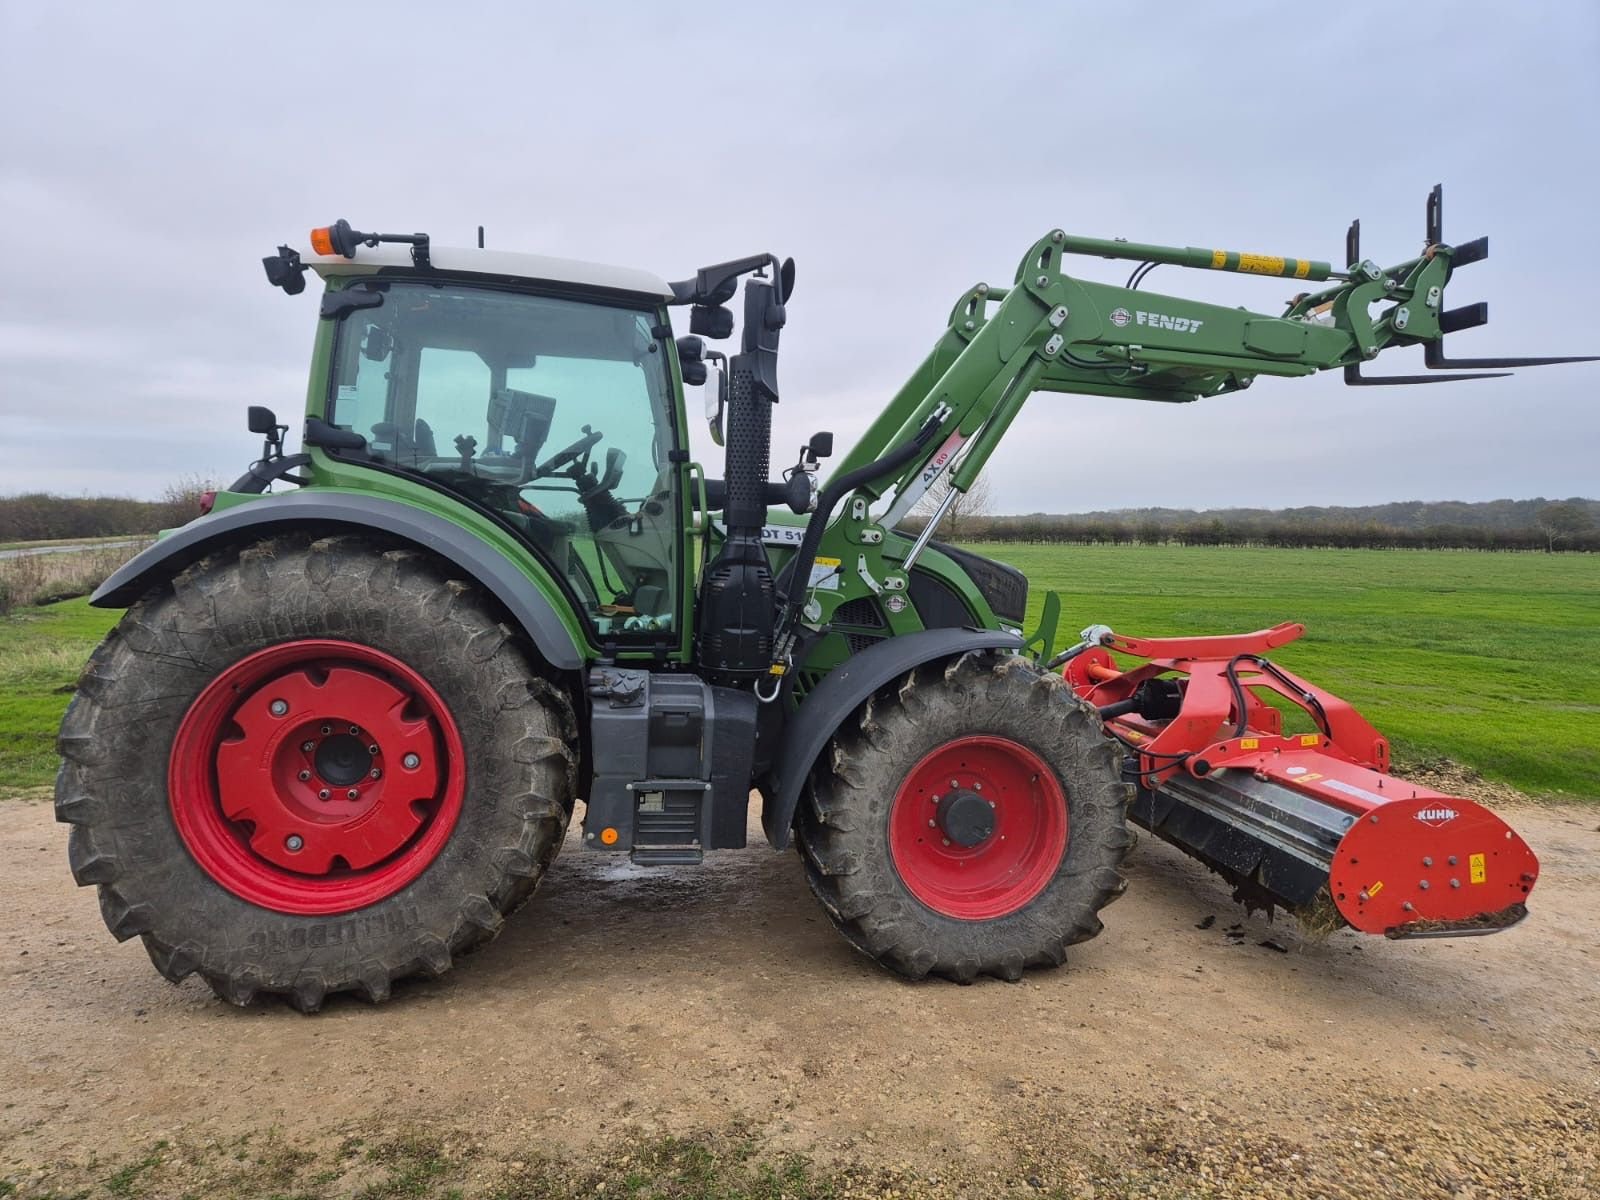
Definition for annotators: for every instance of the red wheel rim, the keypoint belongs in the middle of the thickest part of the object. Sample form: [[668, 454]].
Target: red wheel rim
[[316, 777], [933, 810]]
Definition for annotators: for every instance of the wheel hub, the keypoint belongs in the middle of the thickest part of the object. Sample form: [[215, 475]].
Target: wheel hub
[[966, 818], [344, 759], [316, 776], [978, 827]]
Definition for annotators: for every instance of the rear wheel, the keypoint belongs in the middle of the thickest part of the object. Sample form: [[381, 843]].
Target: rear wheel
[[312, 767], [970, 822]]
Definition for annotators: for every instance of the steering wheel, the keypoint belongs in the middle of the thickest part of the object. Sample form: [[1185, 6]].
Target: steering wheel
[[571, 454]]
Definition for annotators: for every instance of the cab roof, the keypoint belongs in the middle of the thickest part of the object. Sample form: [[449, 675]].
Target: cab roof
[[503, 264]]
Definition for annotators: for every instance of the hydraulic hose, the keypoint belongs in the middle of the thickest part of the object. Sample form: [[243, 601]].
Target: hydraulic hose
[[836, 490]]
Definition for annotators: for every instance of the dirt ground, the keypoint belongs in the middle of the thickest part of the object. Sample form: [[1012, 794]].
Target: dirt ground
[[627, 1002]]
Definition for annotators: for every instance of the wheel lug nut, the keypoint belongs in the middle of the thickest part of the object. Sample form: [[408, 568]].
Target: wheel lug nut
[[953, 783], [946, 841], [932, 823], [373, 749], [324, 794], [326, 730], [308, 747], [293, 842], [355, 730], [376, 774], [411, 762], [304, 775], [278, 707], [352, 794]]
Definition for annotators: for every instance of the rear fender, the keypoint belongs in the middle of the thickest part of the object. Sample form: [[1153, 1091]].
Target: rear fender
[[841, 692], [523, 595]]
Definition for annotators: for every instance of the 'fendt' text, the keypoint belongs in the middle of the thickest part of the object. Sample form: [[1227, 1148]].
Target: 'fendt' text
[[1162, 321]]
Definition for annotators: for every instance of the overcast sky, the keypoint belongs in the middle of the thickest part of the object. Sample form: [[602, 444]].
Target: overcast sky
[[150, 154]]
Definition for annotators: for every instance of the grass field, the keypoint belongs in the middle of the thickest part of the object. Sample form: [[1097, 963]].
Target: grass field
[[41, 652], [1492, 660]]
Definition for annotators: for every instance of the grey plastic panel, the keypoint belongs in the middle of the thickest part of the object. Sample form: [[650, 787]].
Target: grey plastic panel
[[331, 510], [672, 764], [840, 693]]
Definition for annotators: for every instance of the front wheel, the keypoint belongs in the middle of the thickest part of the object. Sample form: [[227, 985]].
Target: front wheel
[[310, 767], [970, 822]]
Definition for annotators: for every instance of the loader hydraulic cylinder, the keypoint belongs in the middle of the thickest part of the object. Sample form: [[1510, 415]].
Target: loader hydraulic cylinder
[[1208, 260]]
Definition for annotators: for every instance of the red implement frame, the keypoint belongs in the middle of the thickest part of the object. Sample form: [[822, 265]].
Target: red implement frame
[[1412, 862]]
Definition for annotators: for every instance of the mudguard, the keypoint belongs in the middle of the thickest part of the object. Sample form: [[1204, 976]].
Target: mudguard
[[329, 510], [841, 692]]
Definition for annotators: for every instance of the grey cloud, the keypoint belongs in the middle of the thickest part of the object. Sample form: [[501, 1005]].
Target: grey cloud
[[150, 155]]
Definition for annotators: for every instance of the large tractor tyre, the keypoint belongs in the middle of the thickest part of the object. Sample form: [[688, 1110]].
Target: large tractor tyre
[[308, 767], [970, 823]]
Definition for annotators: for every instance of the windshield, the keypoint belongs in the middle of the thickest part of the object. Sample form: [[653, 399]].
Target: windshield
[[555, 414]]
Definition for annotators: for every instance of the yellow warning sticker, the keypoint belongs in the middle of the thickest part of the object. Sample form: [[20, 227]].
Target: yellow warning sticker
[[1304, 269], [1249, 743], [1479, 868], [825, 574], [1219, 259], [1375, 889], [1261, 264], [1310, 739]]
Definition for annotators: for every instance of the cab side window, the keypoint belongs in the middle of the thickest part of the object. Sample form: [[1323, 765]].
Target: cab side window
[[556, 414]]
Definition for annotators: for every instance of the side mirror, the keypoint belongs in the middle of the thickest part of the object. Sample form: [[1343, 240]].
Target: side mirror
[[716, 401], [378, 345], [285, 270], [712, 321], [691, 360], [264, 421]]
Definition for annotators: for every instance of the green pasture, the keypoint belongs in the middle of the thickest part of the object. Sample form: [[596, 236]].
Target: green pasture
[[41, 652], [1492, 660]]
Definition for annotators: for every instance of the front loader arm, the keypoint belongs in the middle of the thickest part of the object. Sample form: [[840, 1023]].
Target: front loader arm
[[1054, 332]]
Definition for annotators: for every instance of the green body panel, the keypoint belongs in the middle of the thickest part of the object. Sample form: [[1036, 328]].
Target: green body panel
[[880, 561]]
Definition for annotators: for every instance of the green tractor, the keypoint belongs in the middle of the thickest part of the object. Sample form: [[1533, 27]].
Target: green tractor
[[340, 731]]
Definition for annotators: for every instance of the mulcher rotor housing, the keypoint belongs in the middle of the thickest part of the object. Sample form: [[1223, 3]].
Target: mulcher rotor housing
[[369, 686]]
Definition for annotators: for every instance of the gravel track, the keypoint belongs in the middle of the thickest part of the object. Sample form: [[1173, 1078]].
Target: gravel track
[[623, 1002]]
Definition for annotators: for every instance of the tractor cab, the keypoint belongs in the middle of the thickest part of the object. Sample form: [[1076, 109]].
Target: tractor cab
[[539, 391]]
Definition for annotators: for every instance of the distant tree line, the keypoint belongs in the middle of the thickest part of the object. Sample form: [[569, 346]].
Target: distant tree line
[[40, 516], [1566, 525], [1549, 525]]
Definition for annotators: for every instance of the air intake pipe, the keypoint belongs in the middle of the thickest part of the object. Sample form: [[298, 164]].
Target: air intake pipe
[[738, 606]]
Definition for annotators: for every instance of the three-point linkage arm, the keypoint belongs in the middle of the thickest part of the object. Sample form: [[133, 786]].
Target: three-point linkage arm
[[1053, 332]]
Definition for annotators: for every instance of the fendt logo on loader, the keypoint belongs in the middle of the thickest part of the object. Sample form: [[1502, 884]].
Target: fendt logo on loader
[[1121, 317]]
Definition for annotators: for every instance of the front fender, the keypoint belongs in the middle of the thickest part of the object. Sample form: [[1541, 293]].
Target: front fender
[[841, 692], [514, 587]]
